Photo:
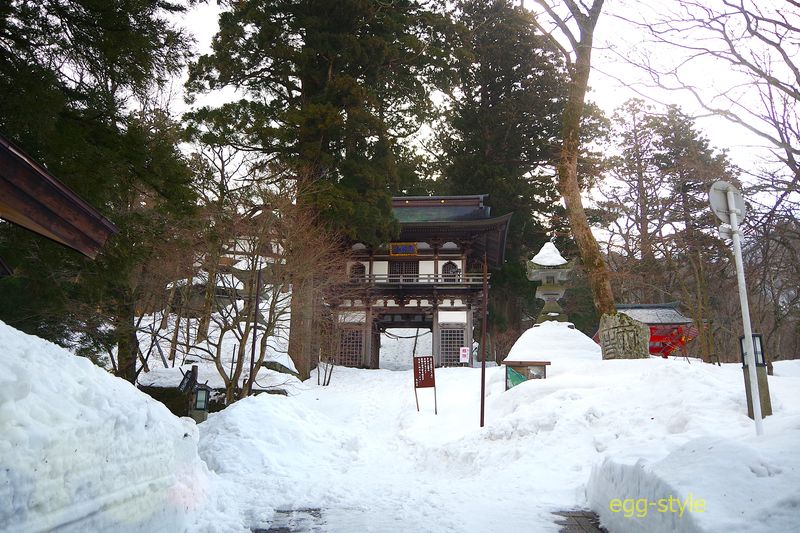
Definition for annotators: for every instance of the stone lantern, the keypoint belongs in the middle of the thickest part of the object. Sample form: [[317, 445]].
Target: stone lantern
[[552, 271]]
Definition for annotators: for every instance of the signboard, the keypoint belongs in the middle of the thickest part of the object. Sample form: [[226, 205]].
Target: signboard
[[403, 249], [423, 372], [718, 198], [463, 354], [424, 378]]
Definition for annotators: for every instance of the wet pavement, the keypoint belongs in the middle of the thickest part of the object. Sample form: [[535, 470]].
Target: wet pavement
[[313, 521], [579, 521]]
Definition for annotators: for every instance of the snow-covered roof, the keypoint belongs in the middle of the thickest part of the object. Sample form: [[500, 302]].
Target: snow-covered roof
[[549, 256], [654, 314], [552, 340]]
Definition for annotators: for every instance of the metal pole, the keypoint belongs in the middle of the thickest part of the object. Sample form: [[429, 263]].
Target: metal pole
[[750, 352], [483, 334]]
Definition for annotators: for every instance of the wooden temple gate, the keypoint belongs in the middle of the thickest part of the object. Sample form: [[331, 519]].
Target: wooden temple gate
[[429, 278]]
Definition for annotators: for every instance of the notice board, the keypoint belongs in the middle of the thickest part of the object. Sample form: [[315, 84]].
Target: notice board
[[423, 372]]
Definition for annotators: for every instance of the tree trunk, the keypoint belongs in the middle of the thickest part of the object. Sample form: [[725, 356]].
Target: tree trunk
[[596, 270], [209, 296], [127, 342], [302, 334]]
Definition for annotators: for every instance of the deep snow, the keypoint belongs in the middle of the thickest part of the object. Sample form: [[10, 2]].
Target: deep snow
[[361, 452], [81, 450], [84, 450]]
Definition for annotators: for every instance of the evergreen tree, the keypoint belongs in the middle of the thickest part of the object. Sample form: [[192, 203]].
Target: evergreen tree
[[332, 88], [500, 132], [658, 212], [76, 78]]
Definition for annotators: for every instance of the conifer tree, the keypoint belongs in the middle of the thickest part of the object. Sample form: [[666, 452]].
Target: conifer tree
[[331, 89], [77, 80], [500, 132]]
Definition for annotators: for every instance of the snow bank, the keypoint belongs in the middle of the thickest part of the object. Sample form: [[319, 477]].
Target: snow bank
[[553, 340], [710, 484], [81, 450]]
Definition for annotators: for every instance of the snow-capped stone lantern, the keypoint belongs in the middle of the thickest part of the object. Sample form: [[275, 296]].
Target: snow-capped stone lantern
[[552, 271]]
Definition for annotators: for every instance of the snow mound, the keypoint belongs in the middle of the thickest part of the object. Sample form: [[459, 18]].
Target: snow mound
[[81, 450], [553, 340], [748, 485], [549, 256]]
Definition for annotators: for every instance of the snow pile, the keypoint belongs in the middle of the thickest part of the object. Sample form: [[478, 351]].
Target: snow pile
[[710, 484], [360, 452], [553, 340], [549, 256], [81, 450]]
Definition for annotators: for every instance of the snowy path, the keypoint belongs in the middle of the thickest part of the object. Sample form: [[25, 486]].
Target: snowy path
[[368, 459], [360, 453]]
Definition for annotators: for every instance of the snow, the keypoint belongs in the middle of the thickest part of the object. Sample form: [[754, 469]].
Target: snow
[[81, 450], [193, 352], [654, 315], [549, 340], [360, 453], [549, 256]]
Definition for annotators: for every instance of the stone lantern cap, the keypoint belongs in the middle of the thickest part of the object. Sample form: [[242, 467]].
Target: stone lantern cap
[[549, 256]]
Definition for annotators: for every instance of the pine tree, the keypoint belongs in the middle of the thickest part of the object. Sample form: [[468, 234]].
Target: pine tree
[[331, 90], [332, 87]]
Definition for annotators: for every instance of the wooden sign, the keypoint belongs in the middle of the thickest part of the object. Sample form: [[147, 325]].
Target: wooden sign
[[463, 354], [423, 372], [424, 378], [403, 249]]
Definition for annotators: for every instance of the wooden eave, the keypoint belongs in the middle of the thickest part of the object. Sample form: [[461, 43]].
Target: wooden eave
[[487, 235], [33, 198]]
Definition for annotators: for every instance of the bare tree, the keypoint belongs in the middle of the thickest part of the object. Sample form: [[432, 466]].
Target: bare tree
[[756, 45], [275, 244]]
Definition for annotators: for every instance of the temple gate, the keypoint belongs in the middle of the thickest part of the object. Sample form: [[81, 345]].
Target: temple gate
[[429, 278]]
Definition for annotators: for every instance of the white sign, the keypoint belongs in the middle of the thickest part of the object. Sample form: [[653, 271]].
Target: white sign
[[463, 354]]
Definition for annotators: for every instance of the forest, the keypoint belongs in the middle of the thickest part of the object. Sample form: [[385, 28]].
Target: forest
[[339, 106]]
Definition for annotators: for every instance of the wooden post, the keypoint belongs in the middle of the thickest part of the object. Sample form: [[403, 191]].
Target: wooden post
[[483, 333]]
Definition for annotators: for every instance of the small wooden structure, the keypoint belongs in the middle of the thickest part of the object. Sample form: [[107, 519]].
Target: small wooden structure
[[518, 371], [33, 198], [670, 331]]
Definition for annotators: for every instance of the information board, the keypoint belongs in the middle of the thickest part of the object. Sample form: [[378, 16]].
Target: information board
[[424, 378], [423, 372], [463, 354]]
